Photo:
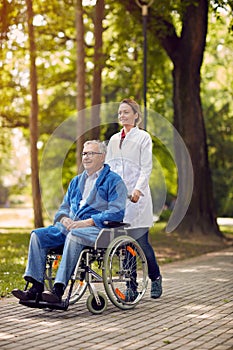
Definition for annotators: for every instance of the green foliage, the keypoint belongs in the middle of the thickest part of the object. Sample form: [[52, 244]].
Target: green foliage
[[5, 149], [163, 180], [217, 87], [14, 174], [122, 77], [165, 215]]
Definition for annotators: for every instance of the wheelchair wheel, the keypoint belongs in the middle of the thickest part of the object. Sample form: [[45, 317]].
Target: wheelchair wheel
[[52, 263], [93, 306], [125, 273], [78, 290], [79, 286], [79, 282]]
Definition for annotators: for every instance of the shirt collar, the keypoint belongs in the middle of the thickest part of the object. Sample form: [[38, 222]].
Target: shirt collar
[[123, 134], [96, 174]]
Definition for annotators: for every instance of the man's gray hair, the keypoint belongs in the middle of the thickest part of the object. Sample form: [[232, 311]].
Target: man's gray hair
[[102, 145]]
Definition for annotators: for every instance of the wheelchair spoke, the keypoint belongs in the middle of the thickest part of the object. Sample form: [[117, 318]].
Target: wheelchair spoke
[[125, 272]]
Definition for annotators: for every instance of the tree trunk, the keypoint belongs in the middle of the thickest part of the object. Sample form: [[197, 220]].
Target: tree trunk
[[98, 66], [80, 76], [4, 25], [33, 122], [186, 54]]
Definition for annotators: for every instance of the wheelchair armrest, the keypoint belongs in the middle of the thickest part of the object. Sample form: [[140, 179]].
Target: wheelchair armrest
[[113, 224]]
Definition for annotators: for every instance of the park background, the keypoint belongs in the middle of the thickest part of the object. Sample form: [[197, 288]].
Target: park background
[[60, 58]]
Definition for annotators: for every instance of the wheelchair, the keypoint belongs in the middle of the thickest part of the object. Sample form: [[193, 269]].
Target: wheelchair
[[116, 261]]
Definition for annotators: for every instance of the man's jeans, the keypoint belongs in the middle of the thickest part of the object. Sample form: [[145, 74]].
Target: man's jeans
[[37, 259]]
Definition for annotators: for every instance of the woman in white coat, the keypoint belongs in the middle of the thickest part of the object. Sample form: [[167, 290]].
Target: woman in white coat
[[130, 155]]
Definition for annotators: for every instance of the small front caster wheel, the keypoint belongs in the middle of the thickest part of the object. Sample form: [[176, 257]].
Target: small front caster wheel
[[93, 306]]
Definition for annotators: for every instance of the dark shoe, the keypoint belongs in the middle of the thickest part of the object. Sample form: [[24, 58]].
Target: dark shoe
[[30, 294], [51, 297], [156, 288], [54, 296]]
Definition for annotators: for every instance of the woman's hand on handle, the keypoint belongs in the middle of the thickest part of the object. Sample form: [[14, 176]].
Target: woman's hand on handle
[[135, 196]]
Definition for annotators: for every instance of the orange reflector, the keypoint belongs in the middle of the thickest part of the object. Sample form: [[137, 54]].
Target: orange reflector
[[56, 262], [130, 249], [120, 294]]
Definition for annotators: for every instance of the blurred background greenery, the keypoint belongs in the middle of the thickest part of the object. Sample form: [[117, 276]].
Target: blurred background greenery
[[122, 58], [113, 52]]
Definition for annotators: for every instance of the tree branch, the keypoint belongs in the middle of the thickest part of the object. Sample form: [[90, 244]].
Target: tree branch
[[14, 121]]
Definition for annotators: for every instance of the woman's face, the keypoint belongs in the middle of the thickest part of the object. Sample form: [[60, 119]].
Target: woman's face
[[126, 115]]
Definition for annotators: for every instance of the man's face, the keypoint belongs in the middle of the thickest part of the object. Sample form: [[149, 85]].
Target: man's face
[[92, 159]]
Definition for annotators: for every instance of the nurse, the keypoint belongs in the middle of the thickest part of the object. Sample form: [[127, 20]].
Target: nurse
[[129, 154]]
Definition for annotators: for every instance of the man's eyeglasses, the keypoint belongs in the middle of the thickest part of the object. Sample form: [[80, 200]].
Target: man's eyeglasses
[[89, 154]]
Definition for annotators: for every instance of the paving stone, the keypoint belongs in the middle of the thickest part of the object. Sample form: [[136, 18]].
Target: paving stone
[[195, 312]]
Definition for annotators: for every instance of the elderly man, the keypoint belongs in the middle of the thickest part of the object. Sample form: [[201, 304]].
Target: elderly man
[[94, 197]]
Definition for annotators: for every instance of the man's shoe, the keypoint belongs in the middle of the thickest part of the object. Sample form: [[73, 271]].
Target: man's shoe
[[30, 294], [156, 288], [51, 297], [54, 296]]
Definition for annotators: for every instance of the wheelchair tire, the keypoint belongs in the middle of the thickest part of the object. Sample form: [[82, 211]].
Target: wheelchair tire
[[125, 272], [78, 290], [92, 305], [80, 285], [50, 273]]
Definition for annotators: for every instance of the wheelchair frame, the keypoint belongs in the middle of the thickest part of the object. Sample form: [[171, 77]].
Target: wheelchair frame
[[116, 260]]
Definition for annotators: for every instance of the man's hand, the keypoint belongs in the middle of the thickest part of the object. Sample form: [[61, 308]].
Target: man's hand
[[66, 221], [71, 224]]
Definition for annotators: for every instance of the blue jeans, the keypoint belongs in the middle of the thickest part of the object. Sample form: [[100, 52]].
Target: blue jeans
[[37, 259], [142, 235]]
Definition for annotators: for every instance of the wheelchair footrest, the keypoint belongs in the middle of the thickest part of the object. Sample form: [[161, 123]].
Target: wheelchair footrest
[[44, 305]]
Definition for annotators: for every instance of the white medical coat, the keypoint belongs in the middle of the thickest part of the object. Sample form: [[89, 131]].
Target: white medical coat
[[133, 162]]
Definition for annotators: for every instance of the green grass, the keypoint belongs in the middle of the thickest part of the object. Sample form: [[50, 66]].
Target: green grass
[[227, 230], [13, 258], [170, 247]]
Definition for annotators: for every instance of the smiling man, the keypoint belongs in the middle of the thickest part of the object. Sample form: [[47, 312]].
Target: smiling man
[[93, 197]]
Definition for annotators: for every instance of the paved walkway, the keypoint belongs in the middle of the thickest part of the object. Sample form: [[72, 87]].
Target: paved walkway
[[195, 312]]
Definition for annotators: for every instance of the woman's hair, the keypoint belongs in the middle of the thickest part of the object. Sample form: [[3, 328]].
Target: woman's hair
[[135, 107], [102, 145]]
